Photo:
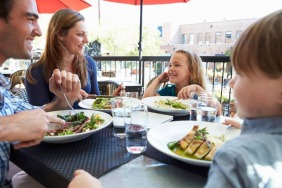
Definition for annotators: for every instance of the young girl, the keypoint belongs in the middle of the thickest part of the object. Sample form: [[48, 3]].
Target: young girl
[[185, 75], [184, 72]]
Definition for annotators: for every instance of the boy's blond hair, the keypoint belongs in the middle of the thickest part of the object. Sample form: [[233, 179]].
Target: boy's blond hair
[[260, 46], [195, 68]]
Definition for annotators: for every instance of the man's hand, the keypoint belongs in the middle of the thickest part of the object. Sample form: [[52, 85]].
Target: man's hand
[[28, 127]]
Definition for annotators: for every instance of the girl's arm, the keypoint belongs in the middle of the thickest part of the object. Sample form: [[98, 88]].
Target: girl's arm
[[155, 85]]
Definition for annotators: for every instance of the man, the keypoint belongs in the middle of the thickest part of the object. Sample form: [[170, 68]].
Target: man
[[21, 123]]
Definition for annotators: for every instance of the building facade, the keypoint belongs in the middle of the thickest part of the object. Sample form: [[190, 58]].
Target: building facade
[[207, 38]]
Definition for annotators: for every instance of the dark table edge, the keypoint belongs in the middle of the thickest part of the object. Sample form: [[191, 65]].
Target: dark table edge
[[26, 161]]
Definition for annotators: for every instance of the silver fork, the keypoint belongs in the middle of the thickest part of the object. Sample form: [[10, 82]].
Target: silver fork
[[72, 109]]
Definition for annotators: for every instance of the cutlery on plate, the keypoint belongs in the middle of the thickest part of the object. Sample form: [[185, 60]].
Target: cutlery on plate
[[94, 96], [72, 109]]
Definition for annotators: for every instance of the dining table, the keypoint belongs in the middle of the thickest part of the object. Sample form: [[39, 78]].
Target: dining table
[[105, 157]]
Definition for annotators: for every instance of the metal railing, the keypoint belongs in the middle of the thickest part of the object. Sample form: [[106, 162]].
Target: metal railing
[[218, 71]]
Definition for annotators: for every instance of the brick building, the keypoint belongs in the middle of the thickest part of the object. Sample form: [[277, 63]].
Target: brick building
[[207, 38]]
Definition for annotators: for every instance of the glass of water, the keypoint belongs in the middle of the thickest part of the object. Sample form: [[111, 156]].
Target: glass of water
[[207, 108], [135, 121], [117, 104], [194, 105]]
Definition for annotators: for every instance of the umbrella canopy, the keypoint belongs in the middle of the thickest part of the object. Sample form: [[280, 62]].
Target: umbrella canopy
[[148, 2], [51, 6], [141, 3]]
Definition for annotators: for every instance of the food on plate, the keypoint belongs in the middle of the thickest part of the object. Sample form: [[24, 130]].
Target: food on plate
[[102, 103], [188, 138], [198, 143], [171, 104], [77, 123]]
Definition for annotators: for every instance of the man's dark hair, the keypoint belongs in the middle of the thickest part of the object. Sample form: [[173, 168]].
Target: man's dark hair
[[5, 8]]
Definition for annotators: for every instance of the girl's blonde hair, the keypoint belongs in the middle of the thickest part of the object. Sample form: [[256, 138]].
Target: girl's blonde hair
[[52, 58], [195, 68], [260, 46]]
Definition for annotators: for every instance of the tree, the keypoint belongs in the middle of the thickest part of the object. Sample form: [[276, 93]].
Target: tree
[[121, 40]]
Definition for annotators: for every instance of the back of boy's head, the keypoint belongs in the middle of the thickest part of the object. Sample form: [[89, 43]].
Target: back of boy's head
[[260, 46]]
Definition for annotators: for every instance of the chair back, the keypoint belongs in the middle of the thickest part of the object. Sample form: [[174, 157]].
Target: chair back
[[107, 87], [152, 79], [17, 78]]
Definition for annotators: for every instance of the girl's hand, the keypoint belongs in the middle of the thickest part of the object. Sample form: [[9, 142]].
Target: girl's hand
[[184, 93], [163, 77], [233, 123]]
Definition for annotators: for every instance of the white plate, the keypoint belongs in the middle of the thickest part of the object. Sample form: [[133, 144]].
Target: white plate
[[161, 134], [157, 118], [79, 136], [87, 104], [151, 103]]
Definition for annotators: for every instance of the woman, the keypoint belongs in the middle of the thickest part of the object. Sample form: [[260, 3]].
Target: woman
[[66, 38]]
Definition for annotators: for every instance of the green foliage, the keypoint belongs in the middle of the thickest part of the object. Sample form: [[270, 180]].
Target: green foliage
[[121, 40], [223, 99]]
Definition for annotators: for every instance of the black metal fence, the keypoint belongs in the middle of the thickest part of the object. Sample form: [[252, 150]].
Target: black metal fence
[[218, 71]]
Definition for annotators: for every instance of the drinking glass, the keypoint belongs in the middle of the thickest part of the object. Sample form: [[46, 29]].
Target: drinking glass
[[207, 108], [117, 104], [193, 110], [132, 95], [194, 96], [135, 121]]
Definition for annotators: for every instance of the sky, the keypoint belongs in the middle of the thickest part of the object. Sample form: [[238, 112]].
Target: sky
[[194, 11]]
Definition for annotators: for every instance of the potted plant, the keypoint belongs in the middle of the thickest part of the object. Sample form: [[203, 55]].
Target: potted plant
[[232, 109]]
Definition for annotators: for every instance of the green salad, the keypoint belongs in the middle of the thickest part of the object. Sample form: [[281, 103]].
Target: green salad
[[171, 104], [77, 123], [102, 103]]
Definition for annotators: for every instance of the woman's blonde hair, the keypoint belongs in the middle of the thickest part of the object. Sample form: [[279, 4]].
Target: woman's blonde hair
[[52, 58], [260, 46], [195, 68]]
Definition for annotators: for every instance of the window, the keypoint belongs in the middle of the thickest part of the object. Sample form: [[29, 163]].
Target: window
[[208, 38], [228, 36], [183, 39], [191, 38], [200, 39], [238, 33], [218, 37]]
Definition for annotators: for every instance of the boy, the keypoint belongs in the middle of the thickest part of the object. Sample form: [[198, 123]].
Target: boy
[[254, 159]]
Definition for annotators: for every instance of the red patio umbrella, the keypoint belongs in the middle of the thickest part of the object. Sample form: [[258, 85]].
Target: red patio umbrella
[[141, 3], [51, 6]]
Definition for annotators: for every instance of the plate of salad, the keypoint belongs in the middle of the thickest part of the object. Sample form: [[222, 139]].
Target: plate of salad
[[78, 126], [168, 105], [101, 104]]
